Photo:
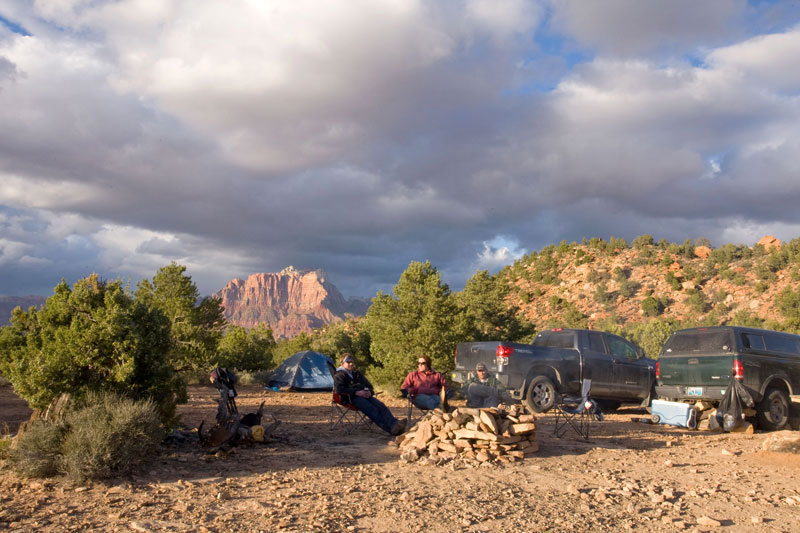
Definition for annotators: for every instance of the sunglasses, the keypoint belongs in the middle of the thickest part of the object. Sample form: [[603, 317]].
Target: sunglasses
[[481, 370], [422, 363], [349, 362]]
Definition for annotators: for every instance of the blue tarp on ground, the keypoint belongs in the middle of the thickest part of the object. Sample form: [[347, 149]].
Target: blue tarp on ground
[[308, 370]]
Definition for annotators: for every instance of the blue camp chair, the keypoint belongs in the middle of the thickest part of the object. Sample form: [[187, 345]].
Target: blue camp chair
[[576, 412]]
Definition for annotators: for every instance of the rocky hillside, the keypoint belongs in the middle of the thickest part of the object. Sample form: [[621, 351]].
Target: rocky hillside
[[8, 303], [595, 282], [290, 301]]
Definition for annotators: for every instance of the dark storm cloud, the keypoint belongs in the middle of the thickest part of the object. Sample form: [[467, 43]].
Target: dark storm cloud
[[248, 137]]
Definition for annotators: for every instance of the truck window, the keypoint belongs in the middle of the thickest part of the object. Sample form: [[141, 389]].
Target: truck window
[[596, 343], [620, 348], [753, 341], [700, 341], [555, 339], [781, 343]]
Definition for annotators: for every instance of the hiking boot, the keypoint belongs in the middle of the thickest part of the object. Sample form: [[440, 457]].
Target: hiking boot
[[399, 426]]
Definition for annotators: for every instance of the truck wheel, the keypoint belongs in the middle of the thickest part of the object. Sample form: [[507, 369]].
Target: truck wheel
[[541, 394], [773, 410]]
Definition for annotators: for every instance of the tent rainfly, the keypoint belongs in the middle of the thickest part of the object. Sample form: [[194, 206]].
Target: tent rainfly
[[307, 370]]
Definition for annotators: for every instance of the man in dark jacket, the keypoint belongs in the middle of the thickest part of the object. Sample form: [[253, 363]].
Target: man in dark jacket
[[483, 389], [355, 389]]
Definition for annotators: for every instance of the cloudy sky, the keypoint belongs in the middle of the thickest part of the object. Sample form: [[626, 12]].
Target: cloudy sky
[[357, 136]]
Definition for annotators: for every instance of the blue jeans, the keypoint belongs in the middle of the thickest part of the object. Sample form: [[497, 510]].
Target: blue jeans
[[427, 401], [375, 411]]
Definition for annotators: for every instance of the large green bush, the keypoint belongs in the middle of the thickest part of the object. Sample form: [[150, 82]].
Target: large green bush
[[92, 338]]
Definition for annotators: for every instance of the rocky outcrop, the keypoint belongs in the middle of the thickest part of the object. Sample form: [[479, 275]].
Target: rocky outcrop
[[769, 242], [702, 251], [290, 301]]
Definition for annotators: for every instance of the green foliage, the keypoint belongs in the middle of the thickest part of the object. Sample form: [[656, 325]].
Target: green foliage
[[764, 273], [777, 260], [419, 317], [789, 303], [573, 318], [602, 296], [285, 348], [628, 288], [651, 335], [728, 253], [597, 276], [109, 435], [687, 249], [102, 436], [487, 312], [92, 338], [617, 244], [746, 318], [652, 306], [696, 300], [761, 287], [609, 323], [245, 350], [716, 316], [37, 451], [643, 241], [674, 282], [195, 328], [5, 444], [339, 338]]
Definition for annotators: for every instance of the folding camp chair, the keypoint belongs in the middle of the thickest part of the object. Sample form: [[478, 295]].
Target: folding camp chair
[[576, 412], [415, 412], [346, 416]]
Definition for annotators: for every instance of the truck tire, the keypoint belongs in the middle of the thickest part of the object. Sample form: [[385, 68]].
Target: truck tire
[[541, 394], [773, 410]]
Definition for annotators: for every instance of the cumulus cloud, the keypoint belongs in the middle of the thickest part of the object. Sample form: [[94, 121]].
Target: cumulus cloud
[[360, 136]]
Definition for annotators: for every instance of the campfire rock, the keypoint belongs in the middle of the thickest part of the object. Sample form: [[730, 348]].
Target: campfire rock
[[494, 435]]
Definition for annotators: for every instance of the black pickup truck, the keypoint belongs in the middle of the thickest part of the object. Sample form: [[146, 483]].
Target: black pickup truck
[[557, 362], [698, 364]]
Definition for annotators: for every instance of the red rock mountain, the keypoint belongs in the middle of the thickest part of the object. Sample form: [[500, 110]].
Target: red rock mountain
[[290, 302]]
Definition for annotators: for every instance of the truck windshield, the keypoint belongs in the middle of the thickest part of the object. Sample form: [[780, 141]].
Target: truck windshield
[[700, 341]]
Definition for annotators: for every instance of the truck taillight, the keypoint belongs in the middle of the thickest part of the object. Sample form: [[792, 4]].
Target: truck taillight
[[503, 353], [738, 369], [658, 370]]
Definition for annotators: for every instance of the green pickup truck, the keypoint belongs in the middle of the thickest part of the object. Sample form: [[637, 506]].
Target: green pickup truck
[[698, 364]]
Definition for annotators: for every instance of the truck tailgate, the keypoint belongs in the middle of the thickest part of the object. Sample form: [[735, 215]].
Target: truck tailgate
[[469, 354], [696, 371]]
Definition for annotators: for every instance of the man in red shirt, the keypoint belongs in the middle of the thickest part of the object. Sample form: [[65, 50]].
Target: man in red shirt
[[426, 387]]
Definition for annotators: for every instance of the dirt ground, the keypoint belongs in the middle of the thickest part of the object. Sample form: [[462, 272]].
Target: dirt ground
[[628, 476]]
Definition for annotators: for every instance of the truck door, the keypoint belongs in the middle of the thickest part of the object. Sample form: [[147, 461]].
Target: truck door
[[631, 376], [597, 364]]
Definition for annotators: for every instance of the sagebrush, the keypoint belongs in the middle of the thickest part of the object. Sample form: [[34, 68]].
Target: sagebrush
[[103, 436]]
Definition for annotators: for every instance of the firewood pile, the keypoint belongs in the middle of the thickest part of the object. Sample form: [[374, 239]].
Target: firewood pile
[[706, 411], [501, 434]]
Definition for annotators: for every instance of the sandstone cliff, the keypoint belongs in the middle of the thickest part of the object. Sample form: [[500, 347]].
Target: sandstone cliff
[[290, 301]]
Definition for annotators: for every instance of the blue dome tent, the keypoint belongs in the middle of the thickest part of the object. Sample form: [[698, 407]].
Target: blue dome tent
[[307, 370]]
